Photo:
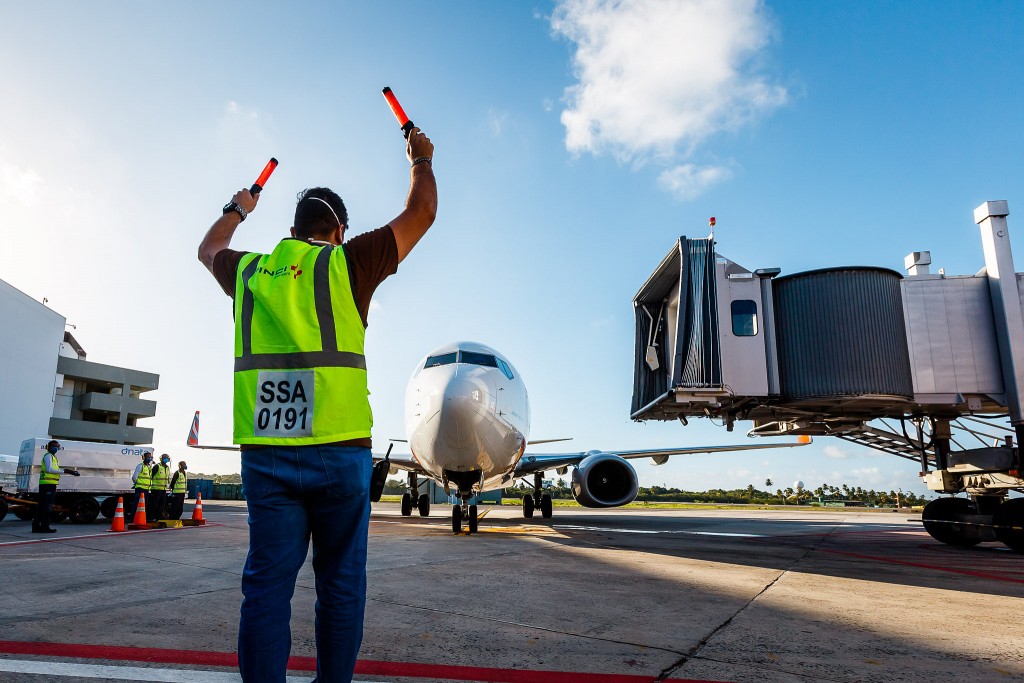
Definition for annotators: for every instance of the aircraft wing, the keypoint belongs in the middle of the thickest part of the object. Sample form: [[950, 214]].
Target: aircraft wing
[[401, 462], [529, 464]]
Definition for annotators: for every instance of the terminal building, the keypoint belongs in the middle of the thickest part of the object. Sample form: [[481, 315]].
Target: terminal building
[[48, 388]]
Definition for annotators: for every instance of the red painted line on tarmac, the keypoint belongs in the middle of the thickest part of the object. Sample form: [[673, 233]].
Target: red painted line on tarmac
[[922, 565], [112, 534], [363, 666]]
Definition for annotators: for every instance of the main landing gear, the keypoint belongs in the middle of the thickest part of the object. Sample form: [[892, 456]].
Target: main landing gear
[[422, 502], [537, 499], [967, 522]]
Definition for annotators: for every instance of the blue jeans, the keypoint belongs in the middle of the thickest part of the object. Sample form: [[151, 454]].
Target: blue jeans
[[294, 493]]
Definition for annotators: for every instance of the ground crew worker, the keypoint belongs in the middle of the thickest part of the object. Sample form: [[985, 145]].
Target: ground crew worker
[[179, 487], [49, 476], [142, 479], [300, 322], [157, 500]]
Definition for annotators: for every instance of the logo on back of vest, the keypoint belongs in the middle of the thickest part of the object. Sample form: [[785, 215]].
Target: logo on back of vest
[[284, 403], [294, 271]]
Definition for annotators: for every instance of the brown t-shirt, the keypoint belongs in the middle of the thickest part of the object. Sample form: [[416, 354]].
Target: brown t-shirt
[[372, 257]]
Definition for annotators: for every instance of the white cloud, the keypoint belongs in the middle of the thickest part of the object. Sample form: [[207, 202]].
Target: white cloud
[[689, 181], [496, 119], [835, 453], [657, 78], [19, 185]]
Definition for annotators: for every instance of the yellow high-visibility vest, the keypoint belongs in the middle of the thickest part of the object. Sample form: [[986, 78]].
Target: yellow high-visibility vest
[[46, 477], [300, 372], [145, 478], [162, 478], [181, 483]]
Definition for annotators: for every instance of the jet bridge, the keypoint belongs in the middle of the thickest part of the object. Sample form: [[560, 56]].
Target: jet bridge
[[924, 366]]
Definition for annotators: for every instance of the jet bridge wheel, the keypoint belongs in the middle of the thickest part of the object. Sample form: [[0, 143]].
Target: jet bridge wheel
[[941, 519], [406, 504], [1009, 524], [527, 506], [456, 519], [472, 519], [545, 506], [424, 505]]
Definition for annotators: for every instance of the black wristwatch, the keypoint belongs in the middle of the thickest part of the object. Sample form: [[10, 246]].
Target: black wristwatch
[[232, 206]]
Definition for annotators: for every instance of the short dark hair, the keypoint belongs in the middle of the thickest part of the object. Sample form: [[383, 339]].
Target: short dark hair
[[312, 218]]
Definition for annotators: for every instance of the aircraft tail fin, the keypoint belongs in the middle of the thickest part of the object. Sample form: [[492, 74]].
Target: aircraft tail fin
[[193, 434]]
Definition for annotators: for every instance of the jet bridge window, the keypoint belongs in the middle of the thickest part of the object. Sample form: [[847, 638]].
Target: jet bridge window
[[473, 358], [744, 318], [443, 359]]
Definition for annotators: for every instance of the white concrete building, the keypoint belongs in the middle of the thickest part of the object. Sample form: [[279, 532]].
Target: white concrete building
[[48, 388]]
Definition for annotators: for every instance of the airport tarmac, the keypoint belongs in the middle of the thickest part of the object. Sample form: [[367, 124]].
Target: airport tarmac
[[609, 596]]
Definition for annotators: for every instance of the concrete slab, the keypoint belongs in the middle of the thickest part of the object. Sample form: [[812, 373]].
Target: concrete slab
[[694, 594]]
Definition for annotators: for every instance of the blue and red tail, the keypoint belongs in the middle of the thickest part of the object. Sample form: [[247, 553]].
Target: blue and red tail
[[193, 434]]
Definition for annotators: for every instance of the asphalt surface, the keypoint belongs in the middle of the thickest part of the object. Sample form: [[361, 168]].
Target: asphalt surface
[[641, 594]]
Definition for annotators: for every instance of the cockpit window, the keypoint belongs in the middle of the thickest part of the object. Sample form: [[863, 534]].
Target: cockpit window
[[503, 366], [468, 357], [473, 358], [443, 359]]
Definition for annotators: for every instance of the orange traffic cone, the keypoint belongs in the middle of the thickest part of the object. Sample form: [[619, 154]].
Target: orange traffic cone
[[117, 524], [140, 513], [197, 511]]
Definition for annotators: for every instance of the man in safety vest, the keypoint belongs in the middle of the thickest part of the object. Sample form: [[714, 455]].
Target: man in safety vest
[[179, 487], [142, 480], [49, 476], [157, 500], [302, 414]]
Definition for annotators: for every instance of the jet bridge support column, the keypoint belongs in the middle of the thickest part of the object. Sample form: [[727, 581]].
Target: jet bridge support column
[[1006, 307]]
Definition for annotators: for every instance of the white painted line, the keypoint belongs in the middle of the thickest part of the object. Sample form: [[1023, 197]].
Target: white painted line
[[130, 673], [112, 534], [655, 531]]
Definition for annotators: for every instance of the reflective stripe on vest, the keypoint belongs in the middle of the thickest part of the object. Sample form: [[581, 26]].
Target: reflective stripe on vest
[[162, 478], [145, 480], [44, 476], [300, 373], [181, 483]]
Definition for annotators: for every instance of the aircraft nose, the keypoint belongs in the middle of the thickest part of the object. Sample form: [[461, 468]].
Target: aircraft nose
[[463, 406]]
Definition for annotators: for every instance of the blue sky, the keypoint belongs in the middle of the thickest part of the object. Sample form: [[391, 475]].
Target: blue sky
[[574, 142]]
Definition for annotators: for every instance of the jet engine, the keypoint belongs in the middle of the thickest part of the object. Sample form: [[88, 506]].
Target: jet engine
[[604, 480]]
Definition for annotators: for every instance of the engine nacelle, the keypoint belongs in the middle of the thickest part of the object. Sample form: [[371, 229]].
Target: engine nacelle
[[604, 480]]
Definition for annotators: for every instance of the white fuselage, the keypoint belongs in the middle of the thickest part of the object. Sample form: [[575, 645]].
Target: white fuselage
[[467, 415]]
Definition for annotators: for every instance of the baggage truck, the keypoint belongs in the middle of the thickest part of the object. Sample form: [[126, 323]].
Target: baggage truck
[[106, 473]]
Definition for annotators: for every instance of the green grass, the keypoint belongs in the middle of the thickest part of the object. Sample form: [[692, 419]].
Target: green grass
[[563, 503]]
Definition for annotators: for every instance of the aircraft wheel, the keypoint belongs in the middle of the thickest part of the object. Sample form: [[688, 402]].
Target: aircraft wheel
[[424, 505], [406, 504], [545, 506], [940, 520], [472, 519], [1009, 524], [456, 519], [528, 506]]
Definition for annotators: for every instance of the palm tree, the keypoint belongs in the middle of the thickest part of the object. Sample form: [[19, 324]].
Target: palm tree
[[768, 483]]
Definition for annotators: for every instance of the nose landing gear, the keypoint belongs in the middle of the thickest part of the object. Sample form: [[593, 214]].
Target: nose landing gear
[[464, 512]]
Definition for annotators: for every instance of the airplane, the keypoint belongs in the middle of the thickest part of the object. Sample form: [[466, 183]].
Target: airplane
[[467, 418]]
